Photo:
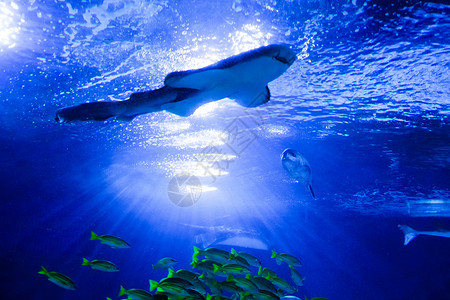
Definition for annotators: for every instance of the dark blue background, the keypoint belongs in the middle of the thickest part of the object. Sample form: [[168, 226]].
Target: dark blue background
[[366, 104]]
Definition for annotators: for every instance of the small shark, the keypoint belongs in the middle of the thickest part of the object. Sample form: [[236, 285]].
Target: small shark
[[298, 167], [410, 233], [243, 77]]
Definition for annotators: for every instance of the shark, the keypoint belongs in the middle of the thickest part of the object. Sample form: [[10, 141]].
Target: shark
[[410, 233], [243, 78]]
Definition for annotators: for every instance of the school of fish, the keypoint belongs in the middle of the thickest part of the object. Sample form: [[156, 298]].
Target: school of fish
[[216, 274]]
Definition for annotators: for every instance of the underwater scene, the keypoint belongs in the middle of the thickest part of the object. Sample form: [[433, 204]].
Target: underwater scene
[[225, 149]]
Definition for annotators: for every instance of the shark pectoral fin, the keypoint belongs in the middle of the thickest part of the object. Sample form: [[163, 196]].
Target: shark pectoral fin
[[181, 109], [252, 97]]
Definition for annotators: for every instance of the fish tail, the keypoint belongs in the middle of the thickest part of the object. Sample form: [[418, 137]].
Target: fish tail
[[312, 191], [43, 271], [85, 262], [409, 233], [216, 268], [197, 252], [194, 262], [94, 236], [171, 273], [95, 111], [123, 291], [153, 285], [274, 254]]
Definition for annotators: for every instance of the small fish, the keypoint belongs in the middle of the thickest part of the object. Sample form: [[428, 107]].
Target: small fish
[[266, 295], [262, 283], [218, 255], [244, 284], [177, 281], [184, 274], [217, 297], [112, 241], [230, 287], [287, 258], [411, 234], [253, 261], [164, 263], [137, 294], [101, 265], [241, 261], [204, 265], [168, 287], [296, 277], [228, 269], [298, 167], [211, 282], [194, 295], [59, 279], [264, 272], [282, 284]]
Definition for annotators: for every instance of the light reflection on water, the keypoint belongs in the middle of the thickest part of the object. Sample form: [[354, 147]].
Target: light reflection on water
[[11, 22]]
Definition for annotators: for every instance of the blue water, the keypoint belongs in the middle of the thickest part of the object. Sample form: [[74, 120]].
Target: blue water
[[367, 103]]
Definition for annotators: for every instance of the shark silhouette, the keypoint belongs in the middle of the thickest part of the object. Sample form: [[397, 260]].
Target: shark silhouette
[[243, 78], [411, 234]]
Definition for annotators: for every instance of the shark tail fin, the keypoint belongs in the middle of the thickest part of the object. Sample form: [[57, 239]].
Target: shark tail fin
[[96, 111], [410, 233]]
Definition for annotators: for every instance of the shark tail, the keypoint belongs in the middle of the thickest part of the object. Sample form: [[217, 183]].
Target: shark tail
[[139, 103], [96, 111], [410, 233]]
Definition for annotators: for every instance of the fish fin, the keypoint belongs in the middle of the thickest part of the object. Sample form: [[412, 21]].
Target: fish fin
[[43, 271], [153, 285], [182, 109], [409, 233], [311, 190], [252, 96], [85, 262], [123, 291], [197, 252], [94, 236]]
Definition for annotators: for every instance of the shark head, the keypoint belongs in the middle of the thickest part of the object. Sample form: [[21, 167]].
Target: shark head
[[281, 53]]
